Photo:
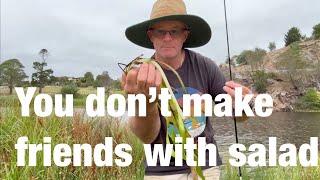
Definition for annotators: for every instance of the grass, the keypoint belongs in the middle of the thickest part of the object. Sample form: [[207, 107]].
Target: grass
[[273, 173], [9, 101], [69, 131], [13, 101]]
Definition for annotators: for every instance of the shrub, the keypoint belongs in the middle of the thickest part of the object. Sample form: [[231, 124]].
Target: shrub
[[242, 58], [70, 89], [310, 101], [251, 57], [260, 81]]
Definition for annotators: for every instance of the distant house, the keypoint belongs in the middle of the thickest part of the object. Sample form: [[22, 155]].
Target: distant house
[[66, 80], [74, 79]]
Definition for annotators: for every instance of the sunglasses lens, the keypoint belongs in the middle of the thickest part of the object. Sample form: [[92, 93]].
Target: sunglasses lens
[[174, 33]]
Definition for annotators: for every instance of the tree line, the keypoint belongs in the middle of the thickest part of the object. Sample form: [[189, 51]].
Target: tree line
[[12, 74]]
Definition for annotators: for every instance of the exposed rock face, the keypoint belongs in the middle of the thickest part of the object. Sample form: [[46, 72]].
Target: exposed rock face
[[279, 87]]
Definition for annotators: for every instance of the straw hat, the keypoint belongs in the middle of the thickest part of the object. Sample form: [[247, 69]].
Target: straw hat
[[200, 32]]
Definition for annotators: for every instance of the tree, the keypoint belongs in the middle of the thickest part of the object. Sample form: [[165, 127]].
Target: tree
[[116, 84], [1, 74], [60, 80], [54, 80], [12, 73], [242, 58], [232, 60], [252, 57], [44, 53], [103, 80], [316, 31], [293, 35], [42, 76], [88, 78], [255, 58], [272, 46], [291, 62]]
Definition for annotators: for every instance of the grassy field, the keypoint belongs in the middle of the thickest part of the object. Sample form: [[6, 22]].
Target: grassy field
[[78, 130]]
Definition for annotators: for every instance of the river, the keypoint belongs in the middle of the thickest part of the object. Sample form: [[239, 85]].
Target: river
[[288, 127]]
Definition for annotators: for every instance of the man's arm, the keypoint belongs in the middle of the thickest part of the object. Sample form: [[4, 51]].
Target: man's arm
[[146, 128], [138, 81]]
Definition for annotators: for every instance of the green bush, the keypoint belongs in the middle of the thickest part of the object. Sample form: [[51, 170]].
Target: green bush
[[310, 101], [70, 89], [260, 81]]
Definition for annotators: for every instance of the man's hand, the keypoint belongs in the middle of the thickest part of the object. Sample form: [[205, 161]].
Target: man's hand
[[230, 88], [138, 80]]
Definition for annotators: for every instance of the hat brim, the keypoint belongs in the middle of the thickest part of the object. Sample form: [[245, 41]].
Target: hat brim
[[200, 32]]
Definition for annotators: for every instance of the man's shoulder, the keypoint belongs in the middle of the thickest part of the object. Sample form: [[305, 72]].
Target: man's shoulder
[[196, 55], [201, 59]]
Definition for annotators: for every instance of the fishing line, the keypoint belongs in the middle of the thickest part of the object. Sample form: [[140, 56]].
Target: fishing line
[[230, 74]]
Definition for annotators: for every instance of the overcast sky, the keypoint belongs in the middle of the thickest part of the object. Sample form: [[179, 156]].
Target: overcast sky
[[84, 35]]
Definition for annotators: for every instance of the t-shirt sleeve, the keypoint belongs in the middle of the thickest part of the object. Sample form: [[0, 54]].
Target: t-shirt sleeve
[[216, 78]]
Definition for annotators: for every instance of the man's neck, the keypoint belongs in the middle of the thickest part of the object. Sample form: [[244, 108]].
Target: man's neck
[[175, 62]]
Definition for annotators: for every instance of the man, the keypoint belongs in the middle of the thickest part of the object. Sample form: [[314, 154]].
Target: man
[[169, 31]]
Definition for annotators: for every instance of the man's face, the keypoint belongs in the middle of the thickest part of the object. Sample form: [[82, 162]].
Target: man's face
[[168, 38]]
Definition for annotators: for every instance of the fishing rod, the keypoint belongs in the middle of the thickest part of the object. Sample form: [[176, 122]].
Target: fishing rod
[[230, 74]]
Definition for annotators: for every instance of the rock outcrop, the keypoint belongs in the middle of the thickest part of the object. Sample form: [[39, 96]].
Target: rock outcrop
[[279, 87]]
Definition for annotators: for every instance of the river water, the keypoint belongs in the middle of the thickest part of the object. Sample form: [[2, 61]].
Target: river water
[[288, 127]]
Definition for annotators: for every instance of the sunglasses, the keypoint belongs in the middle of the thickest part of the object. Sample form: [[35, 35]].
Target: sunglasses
[[161, 33]]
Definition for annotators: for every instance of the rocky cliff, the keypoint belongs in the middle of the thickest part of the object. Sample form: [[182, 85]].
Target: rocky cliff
[[279, 86]]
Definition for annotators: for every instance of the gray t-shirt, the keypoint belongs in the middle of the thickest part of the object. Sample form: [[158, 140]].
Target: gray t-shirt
[[200, 75]]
